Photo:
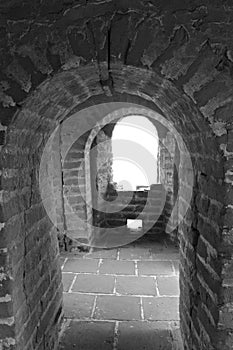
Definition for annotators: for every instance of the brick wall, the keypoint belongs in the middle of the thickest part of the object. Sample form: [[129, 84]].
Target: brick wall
[[189, 252], [101, 170], [57, 185], [168, 154], [74, 173], [31, 289], [104, 162], [73, 177], [177, 62]]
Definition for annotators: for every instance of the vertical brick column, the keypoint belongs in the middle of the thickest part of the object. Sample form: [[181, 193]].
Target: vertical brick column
[[225, 324], [104, 162], [57, 181], [7, 326], [167, 153], [73, 177], [31, 289]]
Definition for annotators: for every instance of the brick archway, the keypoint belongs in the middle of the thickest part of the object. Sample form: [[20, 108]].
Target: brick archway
[[31, 276], [121, 110]]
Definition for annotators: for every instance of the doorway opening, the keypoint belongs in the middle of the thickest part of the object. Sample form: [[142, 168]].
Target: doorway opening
[[129, 171], [126, 290]]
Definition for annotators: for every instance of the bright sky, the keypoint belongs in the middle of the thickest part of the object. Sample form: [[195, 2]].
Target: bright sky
[[135, 148]]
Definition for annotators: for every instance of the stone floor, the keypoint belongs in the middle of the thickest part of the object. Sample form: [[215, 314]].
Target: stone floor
[[122, 299]]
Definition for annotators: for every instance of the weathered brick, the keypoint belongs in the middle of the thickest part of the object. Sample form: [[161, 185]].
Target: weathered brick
[[7, 331], [211, 280], [6, 309], [177, 47]]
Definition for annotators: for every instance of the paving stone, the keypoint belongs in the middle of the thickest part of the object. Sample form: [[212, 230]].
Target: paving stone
[[81, 265], [78, 305], [134, 253], [144, 336], [135, 285], [67, 279], [161, 308], [102, 253], [88, 336], [94, 284], [117, 267], [117, 308], [168, 285], [160, 312], [155, 268], [62, 260]]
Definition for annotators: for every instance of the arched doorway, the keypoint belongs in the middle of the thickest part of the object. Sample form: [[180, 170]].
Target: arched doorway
[[49, 279]]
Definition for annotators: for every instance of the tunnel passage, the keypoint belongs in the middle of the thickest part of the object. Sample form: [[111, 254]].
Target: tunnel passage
[[84, 166], [188, 242], [176, 59]]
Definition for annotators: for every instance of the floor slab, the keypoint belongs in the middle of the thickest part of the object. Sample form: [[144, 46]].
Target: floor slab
[[155, 268], [134, 285], [144, 335], [88, 336], [168, 285], [161, 308], [126, 298], [117, 267], [117, 308], [93, 284], [67, 279], [78, 306], [81, 265], [134, 253]]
